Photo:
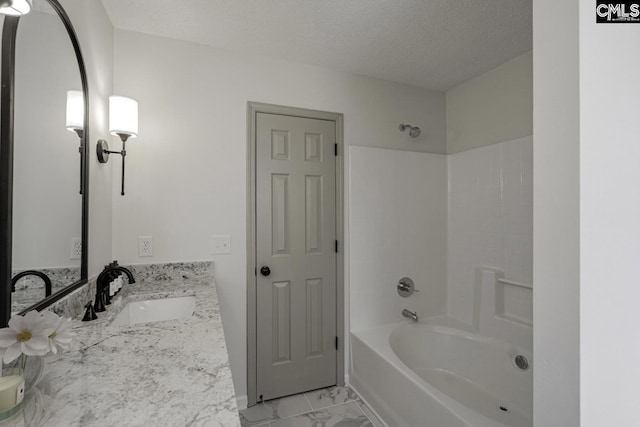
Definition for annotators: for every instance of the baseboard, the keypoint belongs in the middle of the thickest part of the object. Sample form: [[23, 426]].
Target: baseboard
[[242, 402]]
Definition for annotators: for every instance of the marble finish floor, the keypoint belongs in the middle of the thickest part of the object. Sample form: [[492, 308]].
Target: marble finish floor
[[329, 407]]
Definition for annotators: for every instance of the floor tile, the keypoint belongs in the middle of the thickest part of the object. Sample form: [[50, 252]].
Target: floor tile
[[345, 415], [274, 410], [330, 396]]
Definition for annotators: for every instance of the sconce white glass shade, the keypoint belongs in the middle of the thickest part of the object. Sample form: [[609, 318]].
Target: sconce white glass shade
[[123, 116], [75, 110], [15, 7]]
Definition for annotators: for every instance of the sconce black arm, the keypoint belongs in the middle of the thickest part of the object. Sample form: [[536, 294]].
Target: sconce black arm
[[103, 153]]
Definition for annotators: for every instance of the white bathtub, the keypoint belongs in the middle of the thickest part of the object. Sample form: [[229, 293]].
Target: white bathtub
[[429, 375]]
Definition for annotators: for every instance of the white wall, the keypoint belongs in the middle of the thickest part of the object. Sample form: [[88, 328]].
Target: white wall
[[397, 207], [95, 33], [556, 217], [493, 107], [47, 206], [186, 173], [490, 218], [586, 217], [609, 153]]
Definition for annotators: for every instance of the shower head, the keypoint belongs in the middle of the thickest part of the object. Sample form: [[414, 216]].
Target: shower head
[[414, 131]]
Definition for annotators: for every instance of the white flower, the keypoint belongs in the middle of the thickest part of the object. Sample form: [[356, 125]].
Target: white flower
[[61, 335], [26, 334]]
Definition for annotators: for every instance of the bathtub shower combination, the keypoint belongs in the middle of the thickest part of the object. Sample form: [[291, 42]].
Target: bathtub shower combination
[[441, 373]]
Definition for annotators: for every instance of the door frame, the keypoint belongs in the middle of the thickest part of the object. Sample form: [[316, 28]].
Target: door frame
[[253, 108]]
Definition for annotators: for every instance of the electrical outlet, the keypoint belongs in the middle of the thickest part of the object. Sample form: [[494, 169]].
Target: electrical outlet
[[145, 246], [221, 244], [76, 248]]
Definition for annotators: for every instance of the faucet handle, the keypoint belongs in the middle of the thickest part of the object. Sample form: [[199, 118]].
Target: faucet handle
[[406, 287], [90, 313]]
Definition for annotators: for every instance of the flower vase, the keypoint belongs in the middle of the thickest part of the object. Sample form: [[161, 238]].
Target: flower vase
[[32, 334], [31, 368], [32, 371], [12, 387]]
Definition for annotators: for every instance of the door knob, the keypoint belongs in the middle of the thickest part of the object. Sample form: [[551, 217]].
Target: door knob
[[265, 271]]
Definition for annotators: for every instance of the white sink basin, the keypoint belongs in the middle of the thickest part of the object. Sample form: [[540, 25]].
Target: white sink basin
[[156, 310]]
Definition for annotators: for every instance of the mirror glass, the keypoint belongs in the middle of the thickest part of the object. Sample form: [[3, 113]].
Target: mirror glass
[[47, 204]]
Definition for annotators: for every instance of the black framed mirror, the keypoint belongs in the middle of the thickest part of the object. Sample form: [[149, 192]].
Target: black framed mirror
[[44, 179]]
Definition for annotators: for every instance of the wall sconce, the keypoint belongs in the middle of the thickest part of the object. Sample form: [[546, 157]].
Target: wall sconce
[[75, 121], [123, 122], [75, 112], [15, 7]]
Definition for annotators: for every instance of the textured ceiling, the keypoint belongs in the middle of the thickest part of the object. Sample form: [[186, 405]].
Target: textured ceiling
[[435, 44]]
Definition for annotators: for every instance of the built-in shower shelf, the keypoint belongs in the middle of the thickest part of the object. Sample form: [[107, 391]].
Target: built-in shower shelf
[[515, 283], [513, 301]]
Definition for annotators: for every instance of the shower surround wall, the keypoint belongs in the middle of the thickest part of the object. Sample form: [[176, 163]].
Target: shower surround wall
[[397, 215], [436, 219], [490, 222]]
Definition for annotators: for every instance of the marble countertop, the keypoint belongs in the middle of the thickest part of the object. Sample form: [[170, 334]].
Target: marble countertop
[[170, 373]]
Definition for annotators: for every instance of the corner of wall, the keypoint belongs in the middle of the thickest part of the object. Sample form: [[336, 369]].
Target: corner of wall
[[493, 107]]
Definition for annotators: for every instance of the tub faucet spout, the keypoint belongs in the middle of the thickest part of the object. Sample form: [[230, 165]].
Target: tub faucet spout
[[410, 315]]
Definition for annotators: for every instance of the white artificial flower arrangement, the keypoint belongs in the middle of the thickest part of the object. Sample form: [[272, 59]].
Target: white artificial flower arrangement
[[34, 334]]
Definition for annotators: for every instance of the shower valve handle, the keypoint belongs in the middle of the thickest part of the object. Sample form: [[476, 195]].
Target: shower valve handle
[[406, 287]]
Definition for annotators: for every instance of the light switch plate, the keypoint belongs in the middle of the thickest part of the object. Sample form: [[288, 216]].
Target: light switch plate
[[221, 244]]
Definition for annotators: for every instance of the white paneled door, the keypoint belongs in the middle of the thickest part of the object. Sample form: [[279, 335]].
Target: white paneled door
[[296, 254]]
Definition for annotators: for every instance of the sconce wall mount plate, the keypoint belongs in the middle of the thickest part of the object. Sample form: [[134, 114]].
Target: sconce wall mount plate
[[103, 151]]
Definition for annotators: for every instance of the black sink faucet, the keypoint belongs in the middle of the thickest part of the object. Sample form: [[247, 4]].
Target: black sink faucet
[[102, 284], [44, 277]]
